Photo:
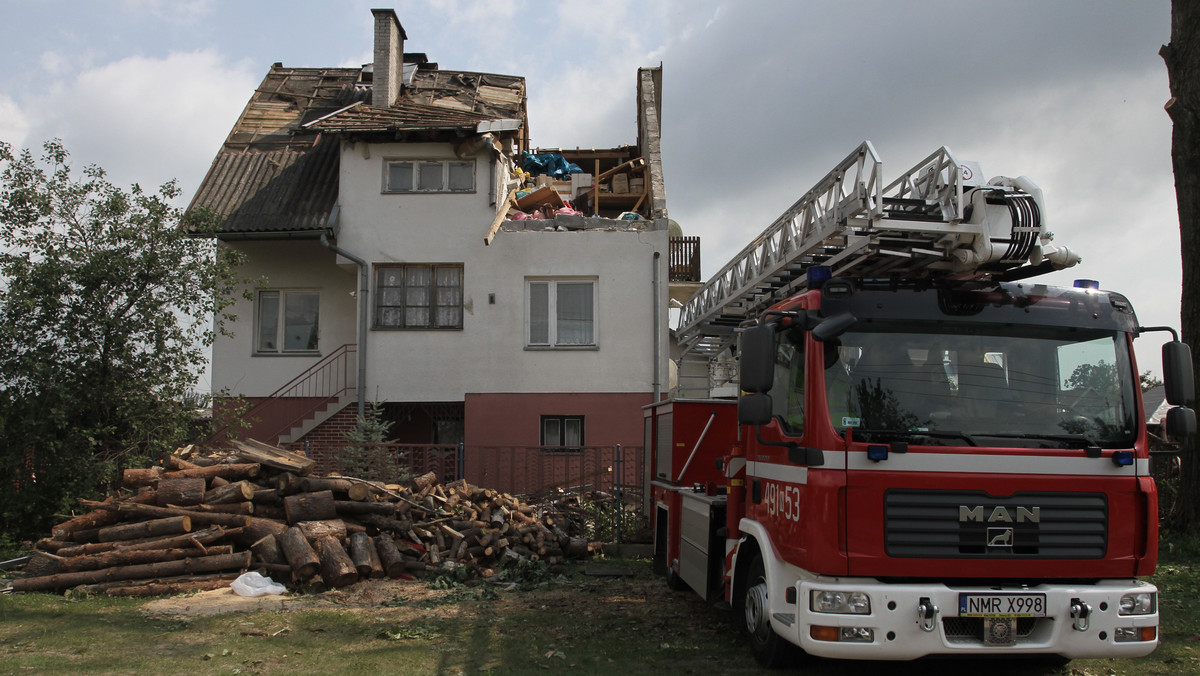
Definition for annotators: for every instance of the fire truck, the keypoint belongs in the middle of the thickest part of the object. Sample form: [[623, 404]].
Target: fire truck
[[928, 453]]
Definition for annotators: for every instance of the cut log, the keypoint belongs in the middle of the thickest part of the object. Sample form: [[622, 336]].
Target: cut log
[[258, 529], [318, 529], [267, 550], [275, 512], [239, 491], [350, 507], [198, 518], [364, 490], [227, 471], [337, 569], [299, 554], [313, 484], [136, 478], [175, 462], [203, 564], [96, 518], [200, 537], [389, 555], [142, 529], [129, 557], [180, 491], [273, 456], [244, 508], [361, 549], [317, 506], [164, 588]]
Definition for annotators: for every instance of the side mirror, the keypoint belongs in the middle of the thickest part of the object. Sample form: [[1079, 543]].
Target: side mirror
[[756, 356], [754, 408], [832, 327], [1180, 423], [1178, 379]]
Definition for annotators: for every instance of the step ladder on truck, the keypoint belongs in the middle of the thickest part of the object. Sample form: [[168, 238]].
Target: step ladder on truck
[[930, 454]]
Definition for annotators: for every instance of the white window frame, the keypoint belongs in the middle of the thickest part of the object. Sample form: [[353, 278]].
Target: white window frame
[[552, 341], [414, 187], [281, 323]]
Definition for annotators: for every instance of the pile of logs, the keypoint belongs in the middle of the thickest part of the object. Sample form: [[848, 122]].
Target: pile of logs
[[199, 522]]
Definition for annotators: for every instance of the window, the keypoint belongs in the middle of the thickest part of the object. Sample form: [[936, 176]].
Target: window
[[561, 313], [787, 392], [286, 321], [428, 176], [562, 431], [419, 296]]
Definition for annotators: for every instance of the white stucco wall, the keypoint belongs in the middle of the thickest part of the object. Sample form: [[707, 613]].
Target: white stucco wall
[[284, 265], [489, 354]]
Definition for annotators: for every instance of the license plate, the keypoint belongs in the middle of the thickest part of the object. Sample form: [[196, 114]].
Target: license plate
[[1001, 605]]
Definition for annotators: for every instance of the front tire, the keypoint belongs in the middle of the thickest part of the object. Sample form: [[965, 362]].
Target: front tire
[[770, 649]]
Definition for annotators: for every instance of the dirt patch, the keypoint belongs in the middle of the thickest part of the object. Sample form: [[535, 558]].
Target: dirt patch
[[362, 595]]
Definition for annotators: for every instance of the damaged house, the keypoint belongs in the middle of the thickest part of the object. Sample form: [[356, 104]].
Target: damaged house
[[417, 255]]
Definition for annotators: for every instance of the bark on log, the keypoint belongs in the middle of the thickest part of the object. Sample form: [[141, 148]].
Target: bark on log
[[198, 518], [267, 496], [424, 481], [204, 564], [317, 529], [175, 462], [136, 478], [227, 471], [350, 507], [171, 525], [273, 456], [333, 483], [267, 550], [389, 555], [258, 529], [275, 512], [299, 554], [317, 506], [161, 586], [363, 490], [337, 569], [181, 491], [243, 508], [201, 537], [129, 557], [239, 491], [361, 549], [96, 518]]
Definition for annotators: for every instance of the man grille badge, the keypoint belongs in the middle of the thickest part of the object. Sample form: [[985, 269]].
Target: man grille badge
[[999, 537]]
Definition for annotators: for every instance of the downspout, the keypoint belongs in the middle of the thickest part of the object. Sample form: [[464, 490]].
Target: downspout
[[657, 330], [364, 283]]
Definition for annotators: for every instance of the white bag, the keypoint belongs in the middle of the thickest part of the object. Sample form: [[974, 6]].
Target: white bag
[[254, 584]]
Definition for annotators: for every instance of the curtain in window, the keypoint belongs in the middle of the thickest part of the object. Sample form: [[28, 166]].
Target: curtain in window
[[430, 176], [574, 304], [449, 296], [572, 432], [416, 295]]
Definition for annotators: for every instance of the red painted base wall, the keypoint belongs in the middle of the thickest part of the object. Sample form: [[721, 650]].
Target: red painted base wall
[[508, 419]]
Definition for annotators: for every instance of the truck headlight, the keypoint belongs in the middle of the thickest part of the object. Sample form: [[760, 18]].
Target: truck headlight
[[839, 602], [1141, 603]]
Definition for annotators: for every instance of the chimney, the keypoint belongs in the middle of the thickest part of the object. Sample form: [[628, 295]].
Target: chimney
[[389, 58]]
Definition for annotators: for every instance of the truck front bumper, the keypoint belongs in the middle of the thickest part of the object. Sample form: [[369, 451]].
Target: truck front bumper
[[909, 621]]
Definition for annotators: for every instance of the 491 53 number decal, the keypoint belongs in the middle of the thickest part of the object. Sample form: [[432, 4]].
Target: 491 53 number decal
[[782, 500]]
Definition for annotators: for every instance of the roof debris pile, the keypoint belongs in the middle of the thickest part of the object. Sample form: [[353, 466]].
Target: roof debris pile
[[197, 523]]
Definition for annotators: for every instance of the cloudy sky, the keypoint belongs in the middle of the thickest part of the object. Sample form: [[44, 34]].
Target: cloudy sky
[[760, 98]]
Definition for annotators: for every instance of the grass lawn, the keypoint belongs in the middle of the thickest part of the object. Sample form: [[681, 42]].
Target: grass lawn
[[574, 624]]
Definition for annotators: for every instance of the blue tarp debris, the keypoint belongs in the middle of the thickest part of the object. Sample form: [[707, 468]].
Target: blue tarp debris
[[548, 163]]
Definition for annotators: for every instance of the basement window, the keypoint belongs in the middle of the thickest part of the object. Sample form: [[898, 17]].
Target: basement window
[[562, 433]]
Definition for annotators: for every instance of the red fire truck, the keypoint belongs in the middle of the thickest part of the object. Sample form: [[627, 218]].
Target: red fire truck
[[930, 454]]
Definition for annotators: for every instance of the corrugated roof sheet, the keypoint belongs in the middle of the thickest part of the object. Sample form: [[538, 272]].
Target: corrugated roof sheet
[[274, 175]]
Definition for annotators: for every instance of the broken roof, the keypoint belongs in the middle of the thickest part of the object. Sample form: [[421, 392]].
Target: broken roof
[[277, 172]]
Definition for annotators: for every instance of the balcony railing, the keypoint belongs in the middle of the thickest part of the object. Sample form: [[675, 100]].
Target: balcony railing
[[685, 259]]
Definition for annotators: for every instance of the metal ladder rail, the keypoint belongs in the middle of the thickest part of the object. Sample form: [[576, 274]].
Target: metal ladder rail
[[805, 226]]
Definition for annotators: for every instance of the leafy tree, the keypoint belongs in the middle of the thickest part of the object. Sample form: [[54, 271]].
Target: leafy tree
[[106, 305], [1182, 58], [1148, 381]]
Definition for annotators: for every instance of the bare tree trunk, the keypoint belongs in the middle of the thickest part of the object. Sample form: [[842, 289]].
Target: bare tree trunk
[[1182, 57]]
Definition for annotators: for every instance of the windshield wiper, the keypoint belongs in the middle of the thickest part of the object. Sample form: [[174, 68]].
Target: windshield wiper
[[937, 434], [1080, 440]]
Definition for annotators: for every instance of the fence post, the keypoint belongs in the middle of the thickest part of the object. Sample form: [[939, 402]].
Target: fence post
[[620, 500], [461, 471]]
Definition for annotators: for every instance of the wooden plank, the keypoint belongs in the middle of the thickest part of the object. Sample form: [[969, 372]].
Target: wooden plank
[[501, 214]]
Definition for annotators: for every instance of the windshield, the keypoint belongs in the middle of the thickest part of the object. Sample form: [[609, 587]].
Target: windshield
[[984, 385]]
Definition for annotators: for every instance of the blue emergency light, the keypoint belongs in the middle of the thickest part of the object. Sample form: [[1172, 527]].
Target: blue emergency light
[[818, 275], [1122, 458], [1087, 284], [877, 452]]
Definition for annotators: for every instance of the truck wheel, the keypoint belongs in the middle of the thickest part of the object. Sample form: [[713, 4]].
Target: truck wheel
[[674, 582], [769, 648]]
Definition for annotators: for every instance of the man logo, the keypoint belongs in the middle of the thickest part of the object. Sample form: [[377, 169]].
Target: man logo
[[999, 514]]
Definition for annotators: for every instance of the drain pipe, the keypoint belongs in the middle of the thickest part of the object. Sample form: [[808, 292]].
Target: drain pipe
[[364, 283], [657, 330]]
